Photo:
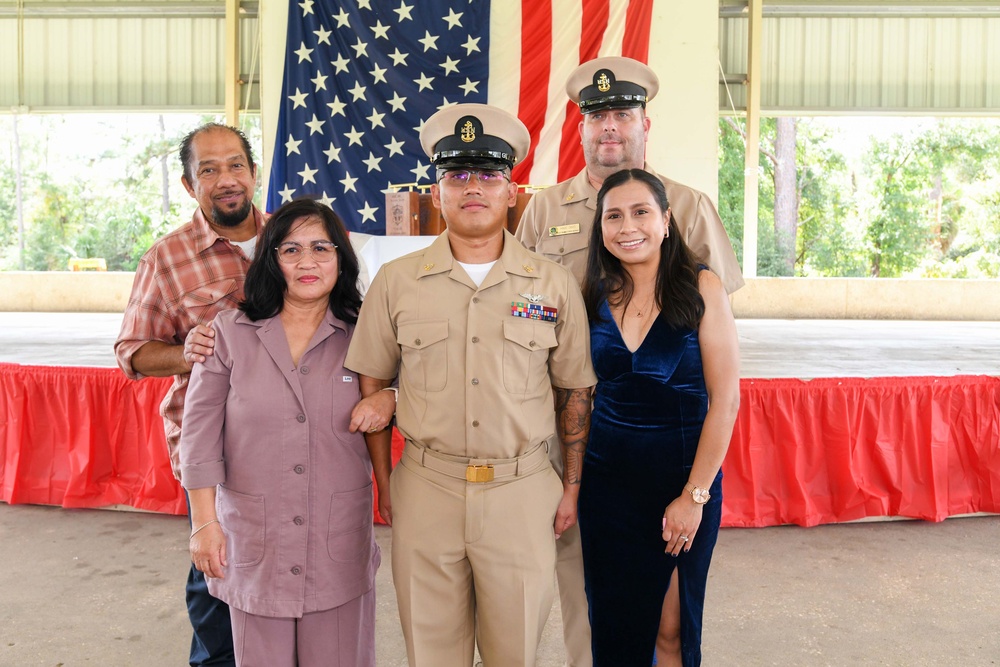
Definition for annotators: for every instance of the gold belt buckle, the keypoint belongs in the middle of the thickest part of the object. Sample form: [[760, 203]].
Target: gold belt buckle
[[478, 474]]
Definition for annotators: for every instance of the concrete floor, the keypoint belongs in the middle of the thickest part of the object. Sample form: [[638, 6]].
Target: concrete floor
[[91, 587]]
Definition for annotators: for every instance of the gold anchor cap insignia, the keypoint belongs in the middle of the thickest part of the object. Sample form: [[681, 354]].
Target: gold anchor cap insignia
[[468, 134], [603, 82]]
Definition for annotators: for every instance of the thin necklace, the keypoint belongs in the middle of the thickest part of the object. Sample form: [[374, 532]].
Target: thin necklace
[[649, 302]]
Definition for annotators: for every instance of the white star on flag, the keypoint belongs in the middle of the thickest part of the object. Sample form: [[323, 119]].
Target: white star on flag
[[298, 99], [322, 35], [303, 53], [308, 175], [368, 212], [372, 162], [337, 107], [354, 136], [404, 12], [453, 20], [332, 153], [349, 182], [340, 64], [315, 125], [424, 82], [429, 41]]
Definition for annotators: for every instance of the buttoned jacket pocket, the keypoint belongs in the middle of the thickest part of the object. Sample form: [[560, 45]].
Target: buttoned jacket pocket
[[350, 537], [424, 352], [242, 518], [526, 349]]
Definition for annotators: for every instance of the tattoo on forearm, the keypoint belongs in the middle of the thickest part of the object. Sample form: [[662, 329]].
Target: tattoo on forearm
[[573, 423]]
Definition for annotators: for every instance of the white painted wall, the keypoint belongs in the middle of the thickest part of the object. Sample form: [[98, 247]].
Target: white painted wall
[[684, 52]]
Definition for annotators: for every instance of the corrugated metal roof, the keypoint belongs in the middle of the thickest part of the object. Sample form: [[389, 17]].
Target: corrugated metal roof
[[121, 54], [836, 56], [899, 58]]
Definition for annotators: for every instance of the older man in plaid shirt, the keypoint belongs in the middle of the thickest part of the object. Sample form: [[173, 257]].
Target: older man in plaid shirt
[[182, 282]]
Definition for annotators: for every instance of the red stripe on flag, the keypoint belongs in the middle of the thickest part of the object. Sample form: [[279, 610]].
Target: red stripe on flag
[[536, 55], [596, 14], [638, 19]]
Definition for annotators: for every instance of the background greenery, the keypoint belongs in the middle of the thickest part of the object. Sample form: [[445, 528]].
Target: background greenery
[[923, 201], [917, 198], [95, 186]]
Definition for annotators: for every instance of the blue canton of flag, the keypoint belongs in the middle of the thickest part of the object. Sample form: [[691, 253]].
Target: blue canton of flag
[[360, 80]]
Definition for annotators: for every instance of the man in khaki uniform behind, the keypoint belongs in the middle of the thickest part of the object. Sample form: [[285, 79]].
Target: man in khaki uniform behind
[[481, 333], [612, 93]]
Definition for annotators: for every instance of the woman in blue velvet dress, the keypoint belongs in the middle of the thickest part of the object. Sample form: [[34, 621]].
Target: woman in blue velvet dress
[[666, 353]]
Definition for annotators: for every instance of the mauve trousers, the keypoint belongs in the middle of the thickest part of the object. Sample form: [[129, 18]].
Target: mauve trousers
[[340, 637]]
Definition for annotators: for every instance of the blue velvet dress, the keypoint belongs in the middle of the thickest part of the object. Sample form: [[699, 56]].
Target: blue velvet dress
[[648, 412]]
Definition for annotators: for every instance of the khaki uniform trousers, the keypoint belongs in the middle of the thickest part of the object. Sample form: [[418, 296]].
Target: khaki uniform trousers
[[473, 562], [572, 594]]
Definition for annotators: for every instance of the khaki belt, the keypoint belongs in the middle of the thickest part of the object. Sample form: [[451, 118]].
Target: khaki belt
[[477, 471]]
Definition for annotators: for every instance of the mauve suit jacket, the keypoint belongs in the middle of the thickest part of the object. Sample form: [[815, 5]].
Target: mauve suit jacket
[[294, 485]]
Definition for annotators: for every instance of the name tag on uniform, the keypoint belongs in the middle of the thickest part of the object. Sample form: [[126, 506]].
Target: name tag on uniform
[[346, 378], [562, 230]]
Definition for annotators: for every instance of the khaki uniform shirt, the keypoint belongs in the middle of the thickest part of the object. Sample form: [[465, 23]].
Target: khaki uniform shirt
[[550, 218], [474, 380]]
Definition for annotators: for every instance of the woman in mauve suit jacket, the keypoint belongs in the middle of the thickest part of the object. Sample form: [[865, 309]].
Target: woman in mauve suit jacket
[[278, 469]]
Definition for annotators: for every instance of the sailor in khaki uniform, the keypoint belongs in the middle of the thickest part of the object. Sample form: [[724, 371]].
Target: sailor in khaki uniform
[[612, 93], [481, 333]]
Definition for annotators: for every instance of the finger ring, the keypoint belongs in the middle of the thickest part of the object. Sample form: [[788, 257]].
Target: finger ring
[[683, 538], [373, 429]]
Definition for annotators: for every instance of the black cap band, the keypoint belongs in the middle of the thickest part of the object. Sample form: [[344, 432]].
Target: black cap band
[[606, 92], [469, 145]]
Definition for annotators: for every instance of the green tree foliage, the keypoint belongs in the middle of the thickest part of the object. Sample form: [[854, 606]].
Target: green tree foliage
[[898, 234], [112, 203], [930, 206], [8, 207], [917, 204], [826, 244], [732, 150]]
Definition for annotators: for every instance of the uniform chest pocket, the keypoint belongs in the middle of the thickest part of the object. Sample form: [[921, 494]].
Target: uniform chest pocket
[[526, 349], [559, 246], [424, 351]]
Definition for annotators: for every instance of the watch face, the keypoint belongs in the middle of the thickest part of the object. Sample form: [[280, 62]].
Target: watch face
[[700, 495]]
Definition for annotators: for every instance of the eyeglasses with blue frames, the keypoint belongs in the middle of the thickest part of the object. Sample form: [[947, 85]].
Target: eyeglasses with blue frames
[[487, 177], [321, 251]]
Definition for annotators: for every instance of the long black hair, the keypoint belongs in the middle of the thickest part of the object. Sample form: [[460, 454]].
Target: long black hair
[[676, 290], [264, 291]]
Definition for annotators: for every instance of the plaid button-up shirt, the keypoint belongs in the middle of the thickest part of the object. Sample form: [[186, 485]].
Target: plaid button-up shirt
[[186, 278]]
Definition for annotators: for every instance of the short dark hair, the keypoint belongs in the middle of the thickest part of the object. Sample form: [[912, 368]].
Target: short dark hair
[[185, 153], [676, 291], [264, 291]]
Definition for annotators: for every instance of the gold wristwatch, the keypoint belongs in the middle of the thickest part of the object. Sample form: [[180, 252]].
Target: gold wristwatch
[[698, 494]]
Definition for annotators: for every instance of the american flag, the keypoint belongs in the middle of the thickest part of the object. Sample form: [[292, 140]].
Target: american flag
[[362, 77]]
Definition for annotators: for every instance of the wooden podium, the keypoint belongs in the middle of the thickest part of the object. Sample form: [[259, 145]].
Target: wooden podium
[[414, 214]]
